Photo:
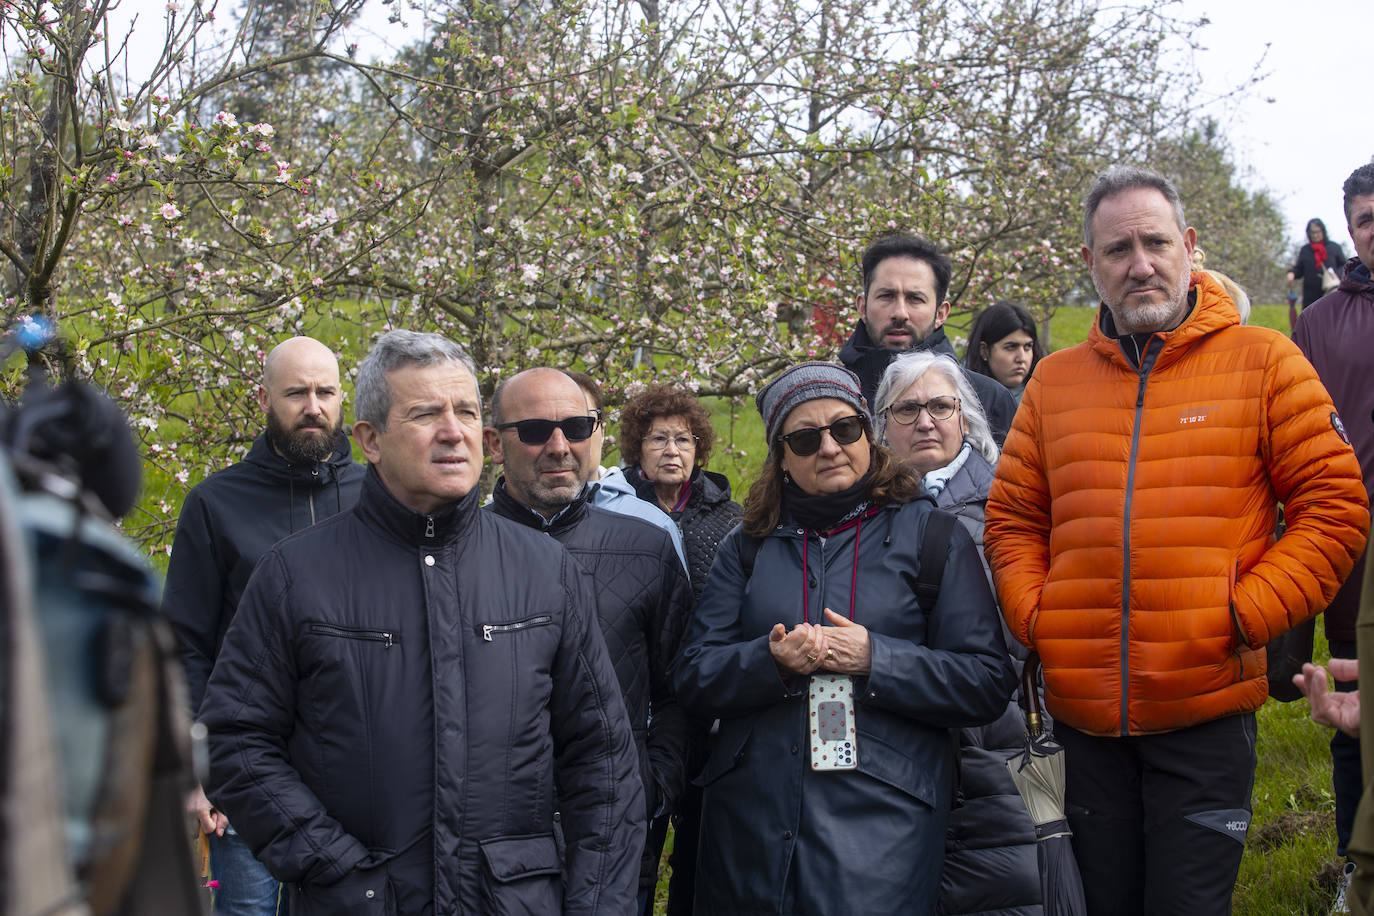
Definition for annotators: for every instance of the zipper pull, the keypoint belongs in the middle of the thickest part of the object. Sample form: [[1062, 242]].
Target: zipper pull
[[429, 526], [387, 641], [486, 632]]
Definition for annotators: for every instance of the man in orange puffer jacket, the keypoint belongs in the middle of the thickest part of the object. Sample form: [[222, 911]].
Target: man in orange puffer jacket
[[1130, 532]]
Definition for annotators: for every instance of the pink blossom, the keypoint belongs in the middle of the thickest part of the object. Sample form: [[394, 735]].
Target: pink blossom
[[169, 211]]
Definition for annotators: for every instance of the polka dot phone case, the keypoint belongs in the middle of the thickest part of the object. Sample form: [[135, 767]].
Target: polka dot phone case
[[834, 742]]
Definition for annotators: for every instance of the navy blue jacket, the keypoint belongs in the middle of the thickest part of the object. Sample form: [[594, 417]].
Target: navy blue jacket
[[401, 703], [777, 837]]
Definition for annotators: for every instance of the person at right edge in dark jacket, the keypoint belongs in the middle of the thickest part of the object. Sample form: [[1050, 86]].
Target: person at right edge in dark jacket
[[903, 307], [1335, 334], [403, 719]]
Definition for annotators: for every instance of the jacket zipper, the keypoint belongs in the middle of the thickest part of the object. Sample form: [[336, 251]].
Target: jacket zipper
[[486, 630], [1146, 364], [386, 637]]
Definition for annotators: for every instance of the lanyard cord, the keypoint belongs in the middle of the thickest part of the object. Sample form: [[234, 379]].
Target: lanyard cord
[[858, 525]]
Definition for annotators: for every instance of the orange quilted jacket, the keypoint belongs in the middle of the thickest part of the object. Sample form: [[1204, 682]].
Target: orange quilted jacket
[[1130, 527]]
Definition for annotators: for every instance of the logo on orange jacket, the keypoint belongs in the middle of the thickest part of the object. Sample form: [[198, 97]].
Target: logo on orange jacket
[[1189, 415]]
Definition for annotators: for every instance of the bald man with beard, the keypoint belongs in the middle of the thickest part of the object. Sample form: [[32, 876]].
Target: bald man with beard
[[298, 471]]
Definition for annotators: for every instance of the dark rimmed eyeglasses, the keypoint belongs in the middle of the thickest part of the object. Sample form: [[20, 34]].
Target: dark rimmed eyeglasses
[[537, 432], [807, 440], [908, 412]]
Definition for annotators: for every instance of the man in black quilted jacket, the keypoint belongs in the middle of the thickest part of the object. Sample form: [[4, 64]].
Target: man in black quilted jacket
[[541, 435], [299, 470], [414, 713]]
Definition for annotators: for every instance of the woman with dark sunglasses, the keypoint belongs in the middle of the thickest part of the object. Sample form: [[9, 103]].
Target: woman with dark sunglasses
[[828, 787]]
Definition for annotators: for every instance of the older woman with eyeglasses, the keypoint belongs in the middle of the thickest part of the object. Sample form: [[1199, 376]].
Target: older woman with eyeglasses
[[665, 440], [930, 417], [828, 788]]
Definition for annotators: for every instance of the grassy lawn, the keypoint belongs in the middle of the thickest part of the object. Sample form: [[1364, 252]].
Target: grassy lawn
[[1290, 864]]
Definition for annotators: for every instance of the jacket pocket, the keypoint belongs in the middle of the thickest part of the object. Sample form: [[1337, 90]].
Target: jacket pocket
[[384, 637], [361, 892], [920, 768], [727, 752], [522, 875], [490, 632]]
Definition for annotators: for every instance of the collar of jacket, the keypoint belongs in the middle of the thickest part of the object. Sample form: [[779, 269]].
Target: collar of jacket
[[1212, 311], [275, 467], [1357, 278], [970, 483], [378, 508], [860, 345], [507, 506], [708, 487]]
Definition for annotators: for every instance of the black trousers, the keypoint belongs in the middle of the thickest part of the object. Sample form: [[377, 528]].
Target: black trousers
[[1159, 821]]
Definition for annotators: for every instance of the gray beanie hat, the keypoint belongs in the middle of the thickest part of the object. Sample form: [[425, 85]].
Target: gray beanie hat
[[807, 382]]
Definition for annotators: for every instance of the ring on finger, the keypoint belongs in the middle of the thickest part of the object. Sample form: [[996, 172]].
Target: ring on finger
[[810, 657], [830, 654]]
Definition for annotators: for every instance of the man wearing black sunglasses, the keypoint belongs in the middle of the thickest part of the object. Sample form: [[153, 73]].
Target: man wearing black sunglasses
[[541, 436]]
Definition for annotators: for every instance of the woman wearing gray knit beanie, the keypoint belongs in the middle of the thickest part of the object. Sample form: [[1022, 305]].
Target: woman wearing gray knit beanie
[[828, 786]]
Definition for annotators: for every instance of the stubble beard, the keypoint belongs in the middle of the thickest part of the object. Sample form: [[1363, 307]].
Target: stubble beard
[[879, 334], [1143, 319]]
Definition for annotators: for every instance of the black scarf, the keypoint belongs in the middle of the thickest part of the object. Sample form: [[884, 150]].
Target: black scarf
[[824, 511]]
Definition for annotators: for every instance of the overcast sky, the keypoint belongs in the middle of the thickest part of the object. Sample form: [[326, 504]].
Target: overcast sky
[[1310, 123]]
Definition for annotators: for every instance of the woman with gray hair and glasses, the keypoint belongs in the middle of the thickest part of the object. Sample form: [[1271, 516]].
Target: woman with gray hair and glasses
[[928, 414]]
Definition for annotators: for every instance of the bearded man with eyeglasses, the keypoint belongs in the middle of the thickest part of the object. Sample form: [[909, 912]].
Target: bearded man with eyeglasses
[[541, 435]]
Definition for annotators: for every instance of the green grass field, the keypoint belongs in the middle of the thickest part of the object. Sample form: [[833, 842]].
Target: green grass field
[[1290, 864]]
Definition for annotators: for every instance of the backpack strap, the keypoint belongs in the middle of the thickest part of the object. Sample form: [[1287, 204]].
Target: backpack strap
[[934, 552], [748, 552]]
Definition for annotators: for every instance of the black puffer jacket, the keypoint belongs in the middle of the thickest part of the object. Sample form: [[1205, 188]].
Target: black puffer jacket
[[991, 862], [778, 837], [382, 641], [643, 600], [708, 517], [228, 521], [869, 361]]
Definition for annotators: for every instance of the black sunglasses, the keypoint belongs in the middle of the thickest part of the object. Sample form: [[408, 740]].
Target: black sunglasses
[[807, 440], [537, 432]]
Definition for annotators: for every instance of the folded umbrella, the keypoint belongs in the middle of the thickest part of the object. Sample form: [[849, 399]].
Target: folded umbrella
[[1038, 773]]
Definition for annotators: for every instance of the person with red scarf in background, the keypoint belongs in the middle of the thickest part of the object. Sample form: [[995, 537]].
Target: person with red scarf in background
[[1313, 258]]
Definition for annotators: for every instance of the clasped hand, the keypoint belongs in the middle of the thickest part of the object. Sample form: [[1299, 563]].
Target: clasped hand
[[841, 648]]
